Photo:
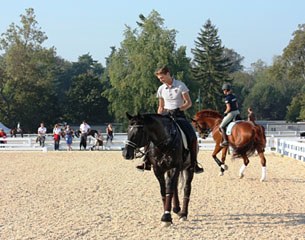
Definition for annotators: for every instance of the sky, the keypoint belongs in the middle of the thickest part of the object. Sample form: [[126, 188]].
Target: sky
[[255, 29]]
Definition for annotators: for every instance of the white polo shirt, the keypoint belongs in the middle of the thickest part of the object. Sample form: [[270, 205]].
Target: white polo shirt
[[84, 128], [172, 95], [42, 131]]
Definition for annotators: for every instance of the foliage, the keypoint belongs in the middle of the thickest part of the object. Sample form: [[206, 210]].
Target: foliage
[[84, 100], [212, 65], [131, 68], [28, 73]]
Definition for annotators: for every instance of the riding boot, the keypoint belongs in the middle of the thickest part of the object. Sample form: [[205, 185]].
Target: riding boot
[[194, 162], [224, 137], [146, 165]]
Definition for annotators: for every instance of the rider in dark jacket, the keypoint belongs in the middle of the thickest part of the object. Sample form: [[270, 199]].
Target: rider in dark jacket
[[230, 113]]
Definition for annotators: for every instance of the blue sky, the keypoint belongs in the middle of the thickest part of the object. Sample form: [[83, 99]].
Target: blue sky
[[256, 29]]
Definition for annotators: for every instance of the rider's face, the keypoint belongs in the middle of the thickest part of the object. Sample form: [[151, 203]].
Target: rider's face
[[165, 78]]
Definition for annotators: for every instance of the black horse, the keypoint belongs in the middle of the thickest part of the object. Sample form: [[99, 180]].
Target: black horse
[[165, 150], [83, 137]]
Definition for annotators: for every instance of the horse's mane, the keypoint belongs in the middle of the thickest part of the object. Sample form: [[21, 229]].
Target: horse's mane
[[208, 113]]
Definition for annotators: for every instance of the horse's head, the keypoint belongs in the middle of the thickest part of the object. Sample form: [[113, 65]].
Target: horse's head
[[136, 137], [202, 128], [206, 120]]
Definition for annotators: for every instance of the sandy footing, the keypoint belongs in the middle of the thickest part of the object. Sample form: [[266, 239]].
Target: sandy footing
[[99, 195]]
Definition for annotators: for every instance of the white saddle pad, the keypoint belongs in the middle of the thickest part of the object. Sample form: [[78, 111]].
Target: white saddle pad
[[229, 128]]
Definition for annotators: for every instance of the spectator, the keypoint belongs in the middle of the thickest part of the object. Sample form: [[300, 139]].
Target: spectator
[[109, 132], [251, 115], [84, 129], [69, 137], [2, 135], [56, 136], [41, 134]]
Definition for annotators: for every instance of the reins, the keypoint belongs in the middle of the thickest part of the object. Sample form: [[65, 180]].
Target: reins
[[140, 154]]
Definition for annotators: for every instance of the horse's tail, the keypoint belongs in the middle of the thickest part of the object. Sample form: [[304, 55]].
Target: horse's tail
[[260, 138], [246, 149]]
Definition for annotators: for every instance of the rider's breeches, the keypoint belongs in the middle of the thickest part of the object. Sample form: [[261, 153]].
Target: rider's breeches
[[227, 119], [191, 137]]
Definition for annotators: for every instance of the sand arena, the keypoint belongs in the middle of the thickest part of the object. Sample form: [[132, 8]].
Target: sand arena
[[99, 195]]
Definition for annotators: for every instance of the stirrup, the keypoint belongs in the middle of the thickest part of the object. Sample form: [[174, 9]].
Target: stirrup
[[224, 144]]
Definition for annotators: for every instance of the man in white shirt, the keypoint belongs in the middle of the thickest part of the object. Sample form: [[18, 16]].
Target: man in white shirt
[[174, 99], [41, 134], [84, 127]]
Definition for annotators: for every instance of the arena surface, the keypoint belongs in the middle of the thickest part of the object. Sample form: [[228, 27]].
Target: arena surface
[[99, 195]]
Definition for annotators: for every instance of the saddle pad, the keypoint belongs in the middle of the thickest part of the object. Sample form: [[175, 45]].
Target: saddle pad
[[229, 128], [183, 137]]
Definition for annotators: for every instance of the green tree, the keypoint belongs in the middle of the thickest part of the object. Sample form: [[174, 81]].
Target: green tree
[[28, 73], [131, 68], [211, 66], [84, 100]]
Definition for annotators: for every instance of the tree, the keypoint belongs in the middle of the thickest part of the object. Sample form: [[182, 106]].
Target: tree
[[131, 68], [84, 100], [211, 66], [28, 71]]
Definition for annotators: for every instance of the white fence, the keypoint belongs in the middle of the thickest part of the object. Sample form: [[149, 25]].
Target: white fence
[[291, 148], [28, 143], [288, 144], [21, 144]]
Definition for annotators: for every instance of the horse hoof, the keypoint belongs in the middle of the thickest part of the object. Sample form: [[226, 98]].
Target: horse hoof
[[241, 176], [263, 179], [221, 174], [183, 219], [224, 167], [165, 224], [176, 210]]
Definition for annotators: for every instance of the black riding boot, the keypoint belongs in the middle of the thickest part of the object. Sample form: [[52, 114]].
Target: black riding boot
[[146, 165], [224, 137], [193, 153]]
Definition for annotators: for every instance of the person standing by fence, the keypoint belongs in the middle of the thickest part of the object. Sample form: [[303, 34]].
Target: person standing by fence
[[69, 137], [56, 136], [109, 131], [2, 135], [41, 135], [251, 116]]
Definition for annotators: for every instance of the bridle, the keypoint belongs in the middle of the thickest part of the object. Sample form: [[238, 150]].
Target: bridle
[[203, 131], [137, 151], [136, 148]]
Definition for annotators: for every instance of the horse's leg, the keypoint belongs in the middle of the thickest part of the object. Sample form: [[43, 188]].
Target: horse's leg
[[243, 167], [220, 163], [166, 218], [176, 202], [188, 178], [263, 162], [171, 182]]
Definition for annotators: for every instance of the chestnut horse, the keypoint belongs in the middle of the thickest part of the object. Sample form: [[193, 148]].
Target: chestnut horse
[[245, 138]]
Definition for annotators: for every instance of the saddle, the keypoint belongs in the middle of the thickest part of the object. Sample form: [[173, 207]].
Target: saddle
[[230, 126]]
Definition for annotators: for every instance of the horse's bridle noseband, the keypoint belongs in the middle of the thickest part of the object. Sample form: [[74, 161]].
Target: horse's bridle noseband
[[204, 131], [134, 145]]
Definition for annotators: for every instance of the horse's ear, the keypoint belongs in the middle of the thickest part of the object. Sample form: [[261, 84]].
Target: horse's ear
[[128, 116]]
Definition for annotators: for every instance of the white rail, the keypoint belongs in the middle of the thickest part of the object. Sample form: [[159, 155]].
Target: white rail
[[292, 146]]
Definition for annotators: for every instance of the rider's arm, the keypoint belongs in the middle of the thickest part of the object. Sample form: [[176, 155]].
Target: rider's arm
[[228, 108], [187, 101], [161, 106]]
